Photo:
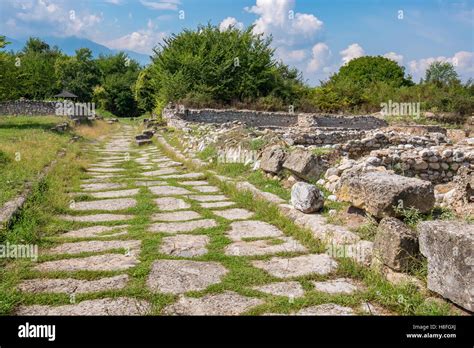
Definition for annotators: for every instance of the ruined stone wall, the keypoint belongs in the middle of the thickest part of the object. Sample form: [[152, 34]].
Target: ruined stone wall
[[28, 107], [254, 118]]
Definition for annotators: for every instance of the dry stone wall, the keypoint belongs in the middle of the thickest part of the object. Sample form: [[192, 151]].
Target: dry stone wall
[[28, 107]]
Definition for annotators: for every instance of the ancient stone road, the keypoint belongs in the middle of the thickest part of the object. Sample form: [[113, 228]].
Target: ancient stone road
[[184, 208]]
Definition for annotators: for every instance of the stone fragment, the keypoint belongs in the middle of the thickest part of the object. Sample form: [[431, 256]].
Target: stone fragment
[[288, 289], [326, 309], [96, 231], [252, 229], [234, 214], [280, 267], [95, 246], [114, 194], [106, 262], [306, 197], [175, 227], [336, 286], [96, 217], [182, 215], [264, 247], [168, 190], [304, 164], [272, 159], [171, 203], [105, 204], [185, 245]]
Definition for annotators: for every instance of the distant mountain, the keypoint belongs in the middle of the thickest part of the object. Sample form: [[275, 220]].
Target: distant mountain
[[70, 44]]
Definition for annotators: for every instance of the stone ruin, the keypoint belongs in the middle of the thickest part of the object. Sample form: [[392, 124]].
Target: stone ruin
[[376, 168]]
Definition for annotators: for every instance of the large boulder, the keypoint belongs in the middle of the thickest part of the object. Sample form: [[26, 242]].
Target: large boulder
[[304, 164], [396, 245], [449, 248], [380, 192], [306, 197], [272, 159], [462, 199]]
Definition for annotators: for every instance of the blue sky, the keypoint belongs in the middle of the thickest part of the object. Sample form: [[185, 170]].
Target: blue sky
[[316, 36]]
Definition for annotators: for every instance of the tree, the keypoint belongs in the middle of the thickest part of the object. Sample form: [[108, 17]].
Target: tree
[[78, 74], [144, 92], [441, 74]]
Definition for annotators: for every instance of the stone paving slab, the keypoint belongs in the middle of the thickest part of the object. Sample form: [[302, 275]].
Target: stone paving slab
[[326, 309], [336, 286], [106, 262], [171, 203], [226, 303], [183, 176], [208, 198], [95, 246], [264, 247], [95, 231], [150, 183], [160, 172], [211, 205], [196, 183], [105, 204], [105, 170], [168, 190], [175, 227], [234, 214], [180, 276], [280, 267], [96, 217], [169, 164], [183, 215], [70, 285], [288, 289], [185, 245], [115, 194], [105, 306], [206, 189], [101, 186], [252, 229]]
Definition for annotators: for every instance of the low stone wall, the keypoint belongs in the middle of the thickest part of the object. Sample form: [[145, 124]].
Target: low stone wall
[[254, 118], [322, 137], [28, 107]]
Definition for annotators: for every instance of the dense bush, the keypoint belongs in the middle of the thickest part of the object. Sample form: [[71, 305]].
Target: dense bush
[[231, 67]]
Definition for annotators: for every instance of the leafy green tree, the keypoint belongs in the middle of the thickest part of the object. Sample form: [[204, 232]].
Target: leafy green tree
[[144, 92], [78, 74], [441, 74]]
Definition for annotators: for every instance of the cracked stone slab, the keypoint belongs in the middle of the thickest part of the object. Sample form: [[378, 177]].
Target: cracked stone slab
[[101, 186], [105, 170], [106, 262], [206, 189], [337, 286], [169, 164], [216, 204], [96, 231], [326, 309], [208, 198], [280, 267], [168, 190], [160, 172], [175, 227], [264, 247], [234, 214], [183, 215], [115, 194], [105, 306], [180, 276], [150, 183], [95, 246], [105, 204], [171, 203], [70, 285], [252, 229], [185, 245], [226, 303], [288, 289], [96, 217]]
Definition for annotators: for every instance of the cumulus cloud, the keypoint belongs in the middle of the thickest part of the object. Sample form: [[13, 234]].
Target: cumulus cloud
[[141, 41], [230, 22], [393, 56], [319, 58], [277, 17], [171, 5], [351, 52], [291, 56], [463, 62]]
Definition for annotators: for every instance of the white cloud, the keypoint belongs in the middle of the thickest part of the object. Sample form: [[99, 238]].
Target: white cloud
[[230, 22], [393, 56], [114, 2], [291, 56], [463, 62], [171, 5], [141, 41], [351, 52], [319, 58], [277, 17]]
